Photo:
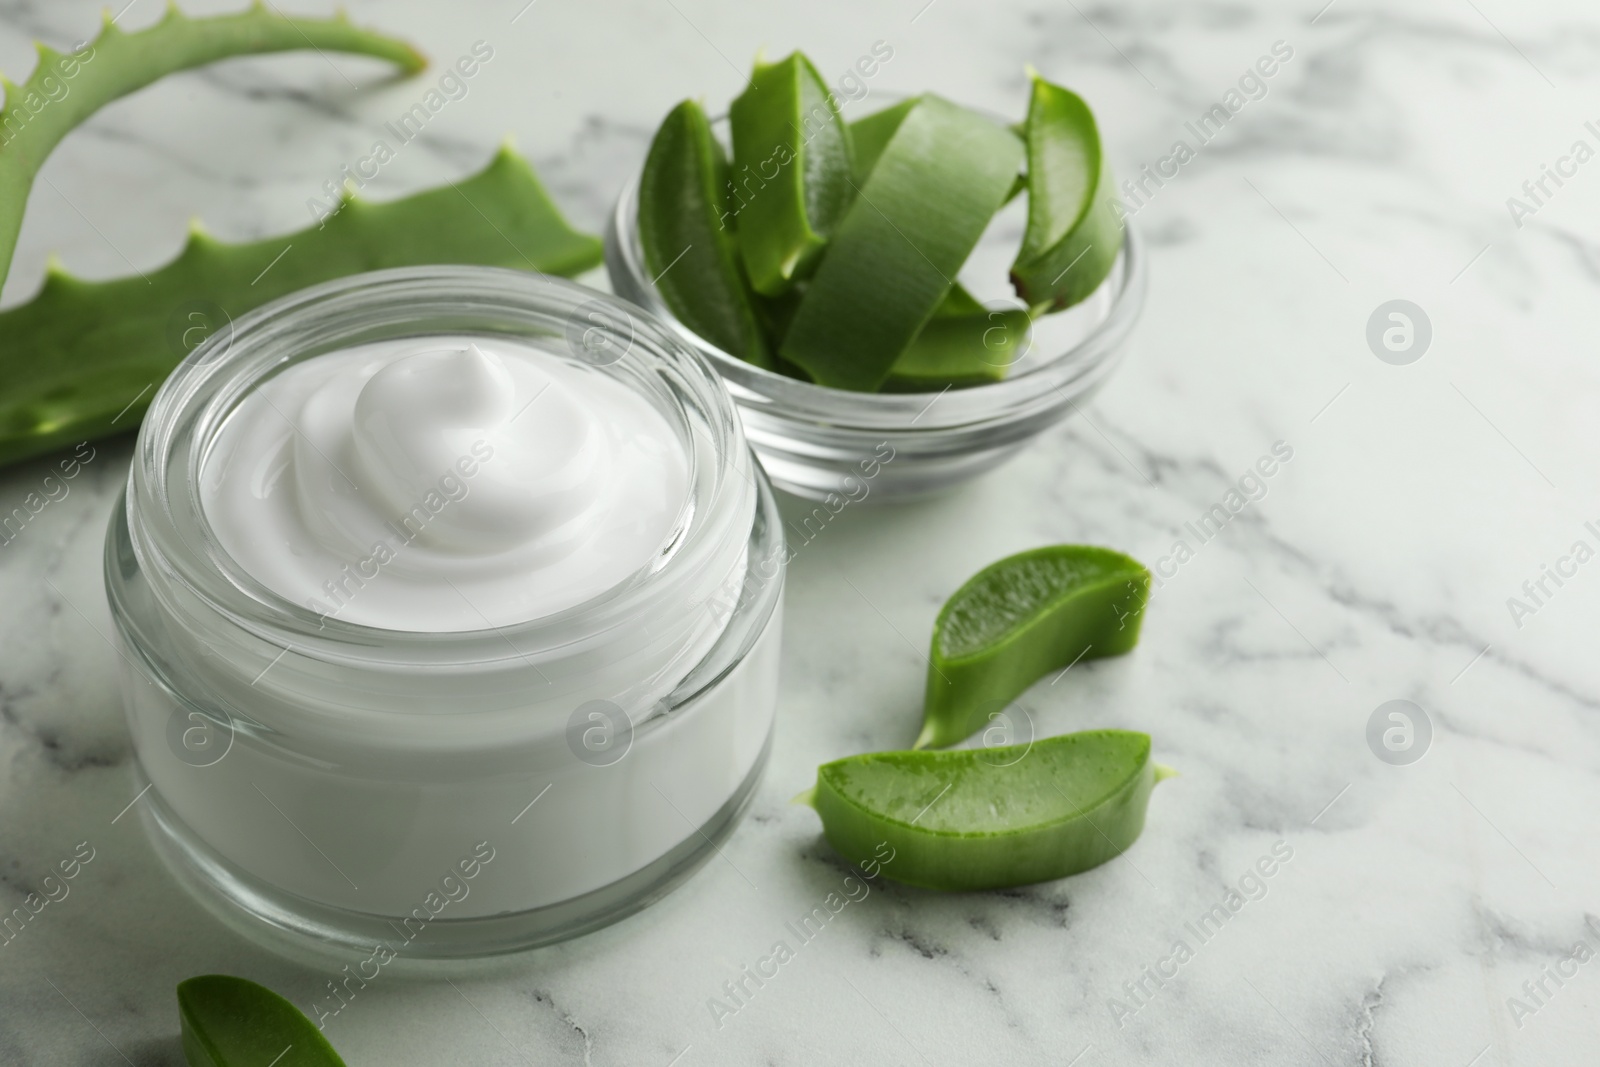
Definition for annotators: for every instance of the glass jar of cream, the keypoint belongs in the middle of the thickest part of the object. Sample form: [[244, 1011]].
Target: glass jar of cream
[[450, 607]]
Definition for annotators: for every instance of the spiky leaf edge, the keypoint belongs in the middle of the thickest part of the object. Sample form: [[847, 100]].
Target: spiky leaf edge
[[120, 63], [81, 358]]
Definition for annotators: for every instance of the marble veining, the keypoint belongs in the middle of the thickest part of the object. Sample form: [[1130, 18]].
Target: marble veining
[[1423, 905]]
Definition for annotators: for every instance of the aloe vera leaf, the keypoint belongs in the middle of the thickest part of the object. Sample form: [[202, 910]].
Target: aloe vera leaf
[[989, 818], [233, 1022], [892, 258], [1073, 233], [774, 313], [870, 133], [791, 171], [1018, 187], [1020, 618], [686, 229], [79, 361], [957, 303], [955, 351], [964, 343], [117, 63]]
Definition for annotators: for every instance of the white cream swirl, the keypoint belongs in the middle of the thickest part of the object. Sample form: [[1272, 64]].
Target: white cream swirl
[[443, 483]]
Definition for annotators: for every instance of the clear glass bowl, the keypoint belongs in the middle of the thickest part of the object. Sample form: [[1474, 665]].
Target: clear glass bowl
[[815, 441]]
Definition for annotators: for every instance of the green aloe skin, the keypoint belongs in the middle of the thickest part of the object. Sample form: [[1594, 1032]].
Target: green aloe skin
[[120, 63], [993, 818], [931, 193], [81, 359], [80, 353], [791, 171], [1073, 235], [964, 343], [1021, 618], [850, 236], [870, 134], [233, 1022], [689, 248]]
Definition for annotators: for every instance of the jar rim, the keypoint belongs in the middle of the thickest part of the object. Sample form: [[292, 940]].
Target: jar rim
[[170, 530]]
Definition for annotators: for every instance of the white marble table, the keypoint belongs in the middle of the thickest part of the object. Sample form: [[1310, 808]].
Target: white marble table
[[1378, 565]]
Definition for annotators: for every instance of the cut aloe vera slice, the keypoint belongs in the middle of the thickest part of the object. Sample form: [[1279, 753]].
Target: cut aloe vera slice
[[686, 229], [870, 133], [233, 1022], [963, 344], [1019, 619], [989, 818], [1073, 234], [893, 257], [791, 171]]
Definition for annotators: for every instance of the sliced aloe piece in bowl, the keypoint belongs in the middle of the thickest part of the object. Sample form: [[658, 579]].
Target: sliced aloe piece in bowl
[[1020, 618], [1073, 234], [963, 344], [937, 182], [685, 228], [989, 818], [233, 1022], [870, 133], [791, 171]]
